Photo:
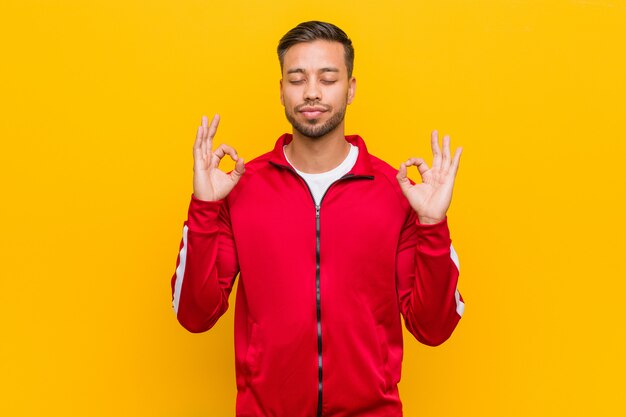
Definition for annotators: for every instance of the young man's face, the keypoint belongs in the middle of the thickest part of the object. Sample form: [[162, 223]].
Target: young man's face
[[315, 88]]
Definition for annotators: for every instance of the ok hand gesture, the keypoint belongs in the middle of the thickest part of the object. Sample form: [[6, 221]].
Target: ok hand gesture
[[209, 182], [432, 197]]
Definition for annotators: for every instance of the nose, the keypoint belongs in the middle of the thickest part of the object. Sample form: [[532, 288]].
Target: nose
[[312, 91]]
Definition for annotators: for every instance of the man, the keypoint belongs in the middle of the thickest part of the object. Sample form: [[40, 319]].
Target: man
[[332, 246]]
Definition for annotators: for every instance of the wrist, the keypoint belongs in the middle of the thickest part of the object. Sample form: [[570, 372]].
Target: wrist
[[429, 220], [204, 197]]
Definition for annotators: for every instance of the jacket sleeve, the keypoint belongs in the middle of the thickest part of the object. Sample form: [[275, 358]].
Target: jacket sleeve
[[206, 266], [427, 275]]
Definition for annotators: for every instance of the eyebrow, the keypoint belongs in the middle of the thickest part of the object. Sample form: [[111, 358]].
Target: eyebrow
[[302, 71]]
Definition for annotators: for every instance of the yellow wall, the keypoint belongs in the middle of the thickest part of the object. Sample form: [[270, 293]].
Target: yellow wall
[[100, 101]]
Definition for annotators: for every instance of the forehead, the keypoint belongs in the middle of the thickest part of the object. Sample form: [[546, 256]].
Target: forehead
[[313, 56]]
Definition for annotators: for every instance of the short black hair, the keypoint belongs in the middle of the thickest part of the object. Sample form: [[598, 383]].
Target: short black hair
[[316, 30]]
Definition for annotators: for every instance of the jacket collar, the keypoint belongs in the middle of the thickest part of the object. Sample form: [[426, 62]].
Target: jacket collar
[[362, 166]]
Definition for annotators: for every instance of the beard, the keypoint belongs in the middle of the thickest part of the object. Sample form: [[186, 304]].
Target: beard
[[311, 128]]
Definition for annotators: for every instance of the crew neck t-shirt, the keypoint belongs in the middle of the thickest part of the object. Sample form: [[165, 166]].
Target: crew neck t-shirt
[[319, 183]]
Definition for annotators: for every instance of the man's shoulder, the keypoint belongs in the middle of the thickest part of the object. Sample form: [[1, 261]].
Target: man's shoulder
[[258, 163], [387, 177], [257, 169], [376, 165], [382, 167]]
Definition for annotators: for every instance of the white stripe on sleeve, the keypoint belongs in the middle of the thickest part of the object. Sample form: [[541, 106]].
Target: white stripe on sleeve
[[460, 305], [180, 271]]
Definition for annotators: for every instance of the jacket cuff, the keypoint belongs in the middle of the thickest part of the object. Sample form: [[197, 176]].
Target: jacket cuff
[[202, 215], [433, 239]]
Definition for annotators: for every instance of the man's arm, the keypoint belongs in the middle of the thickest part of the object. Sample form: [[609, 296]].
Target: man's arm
[[206, 266], [427, 265], [427, 276], [207, 260]]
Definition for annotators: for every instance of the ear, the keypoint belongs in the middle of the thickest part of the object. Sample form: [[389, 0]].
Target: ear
[[282, 99], [351, 90]]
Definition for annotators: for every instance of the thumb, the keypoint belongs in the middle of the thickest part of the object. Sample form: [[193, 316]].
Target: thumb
[[403, 180], [236, 173]]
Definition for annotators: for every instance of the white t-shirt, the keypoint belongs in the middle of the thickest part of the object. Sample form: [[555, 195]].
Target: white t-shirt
[[319, 183]]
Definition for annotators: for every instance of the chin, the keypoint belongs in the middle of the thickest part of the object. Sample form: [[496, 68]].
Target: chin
[[316, 128]]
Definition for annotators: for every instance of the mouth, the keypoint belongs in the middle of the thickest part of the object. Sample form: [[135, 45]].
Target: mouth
[[311, 112]]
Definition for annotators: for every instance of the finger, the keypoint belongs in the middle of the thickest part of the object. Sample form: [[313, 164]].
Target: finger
[[211, 131], [202, 132], [203, 147], [197, 145], [434, 144], [198, 141], [238, 171], [445, 162], [204, 124], [421, 165], [214, 123], [454, 167], [404, 182], [402, 171], [222, 151]]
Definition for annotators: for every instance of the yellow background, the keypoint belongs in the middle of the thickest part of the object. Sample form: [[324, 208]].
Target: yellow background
[[100, 104]]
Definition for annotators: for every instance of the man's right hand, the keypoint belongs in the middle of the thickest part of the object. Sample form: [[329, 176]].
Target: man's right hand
[[209, 182]]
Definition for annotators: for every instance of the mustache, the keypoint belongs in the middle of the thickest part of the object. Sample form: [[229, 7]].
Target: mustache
[[312, 104]]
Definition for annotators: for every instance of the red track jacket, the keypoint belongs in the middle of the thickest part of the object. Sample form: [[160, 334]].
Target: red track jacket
[[321, 288]]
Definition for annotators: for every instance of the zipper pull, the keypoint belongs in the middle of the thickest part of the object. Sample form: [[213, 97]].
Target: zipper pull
[[317, 211]]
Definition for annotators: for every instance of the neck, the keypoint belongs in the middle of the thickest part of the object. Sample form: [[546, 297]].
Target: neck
[[315, 155]]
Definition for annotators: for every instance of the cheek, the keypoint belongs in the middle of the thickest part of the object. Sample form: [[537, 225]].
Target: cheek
[[341, 93], [288, 96], [341, 98]]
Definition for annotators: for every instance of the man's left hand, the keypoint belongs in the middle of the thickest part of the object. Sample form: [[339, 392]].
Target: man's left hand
[[432, 197]]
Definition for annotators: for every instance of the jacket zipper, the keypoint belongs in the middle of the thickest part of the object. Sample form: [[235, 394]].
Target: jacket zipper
[[318, 296], [318, 301]]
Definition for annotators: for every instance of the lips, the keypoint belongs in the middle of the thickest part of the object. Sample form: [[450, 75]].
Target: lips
[[311, 112]]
